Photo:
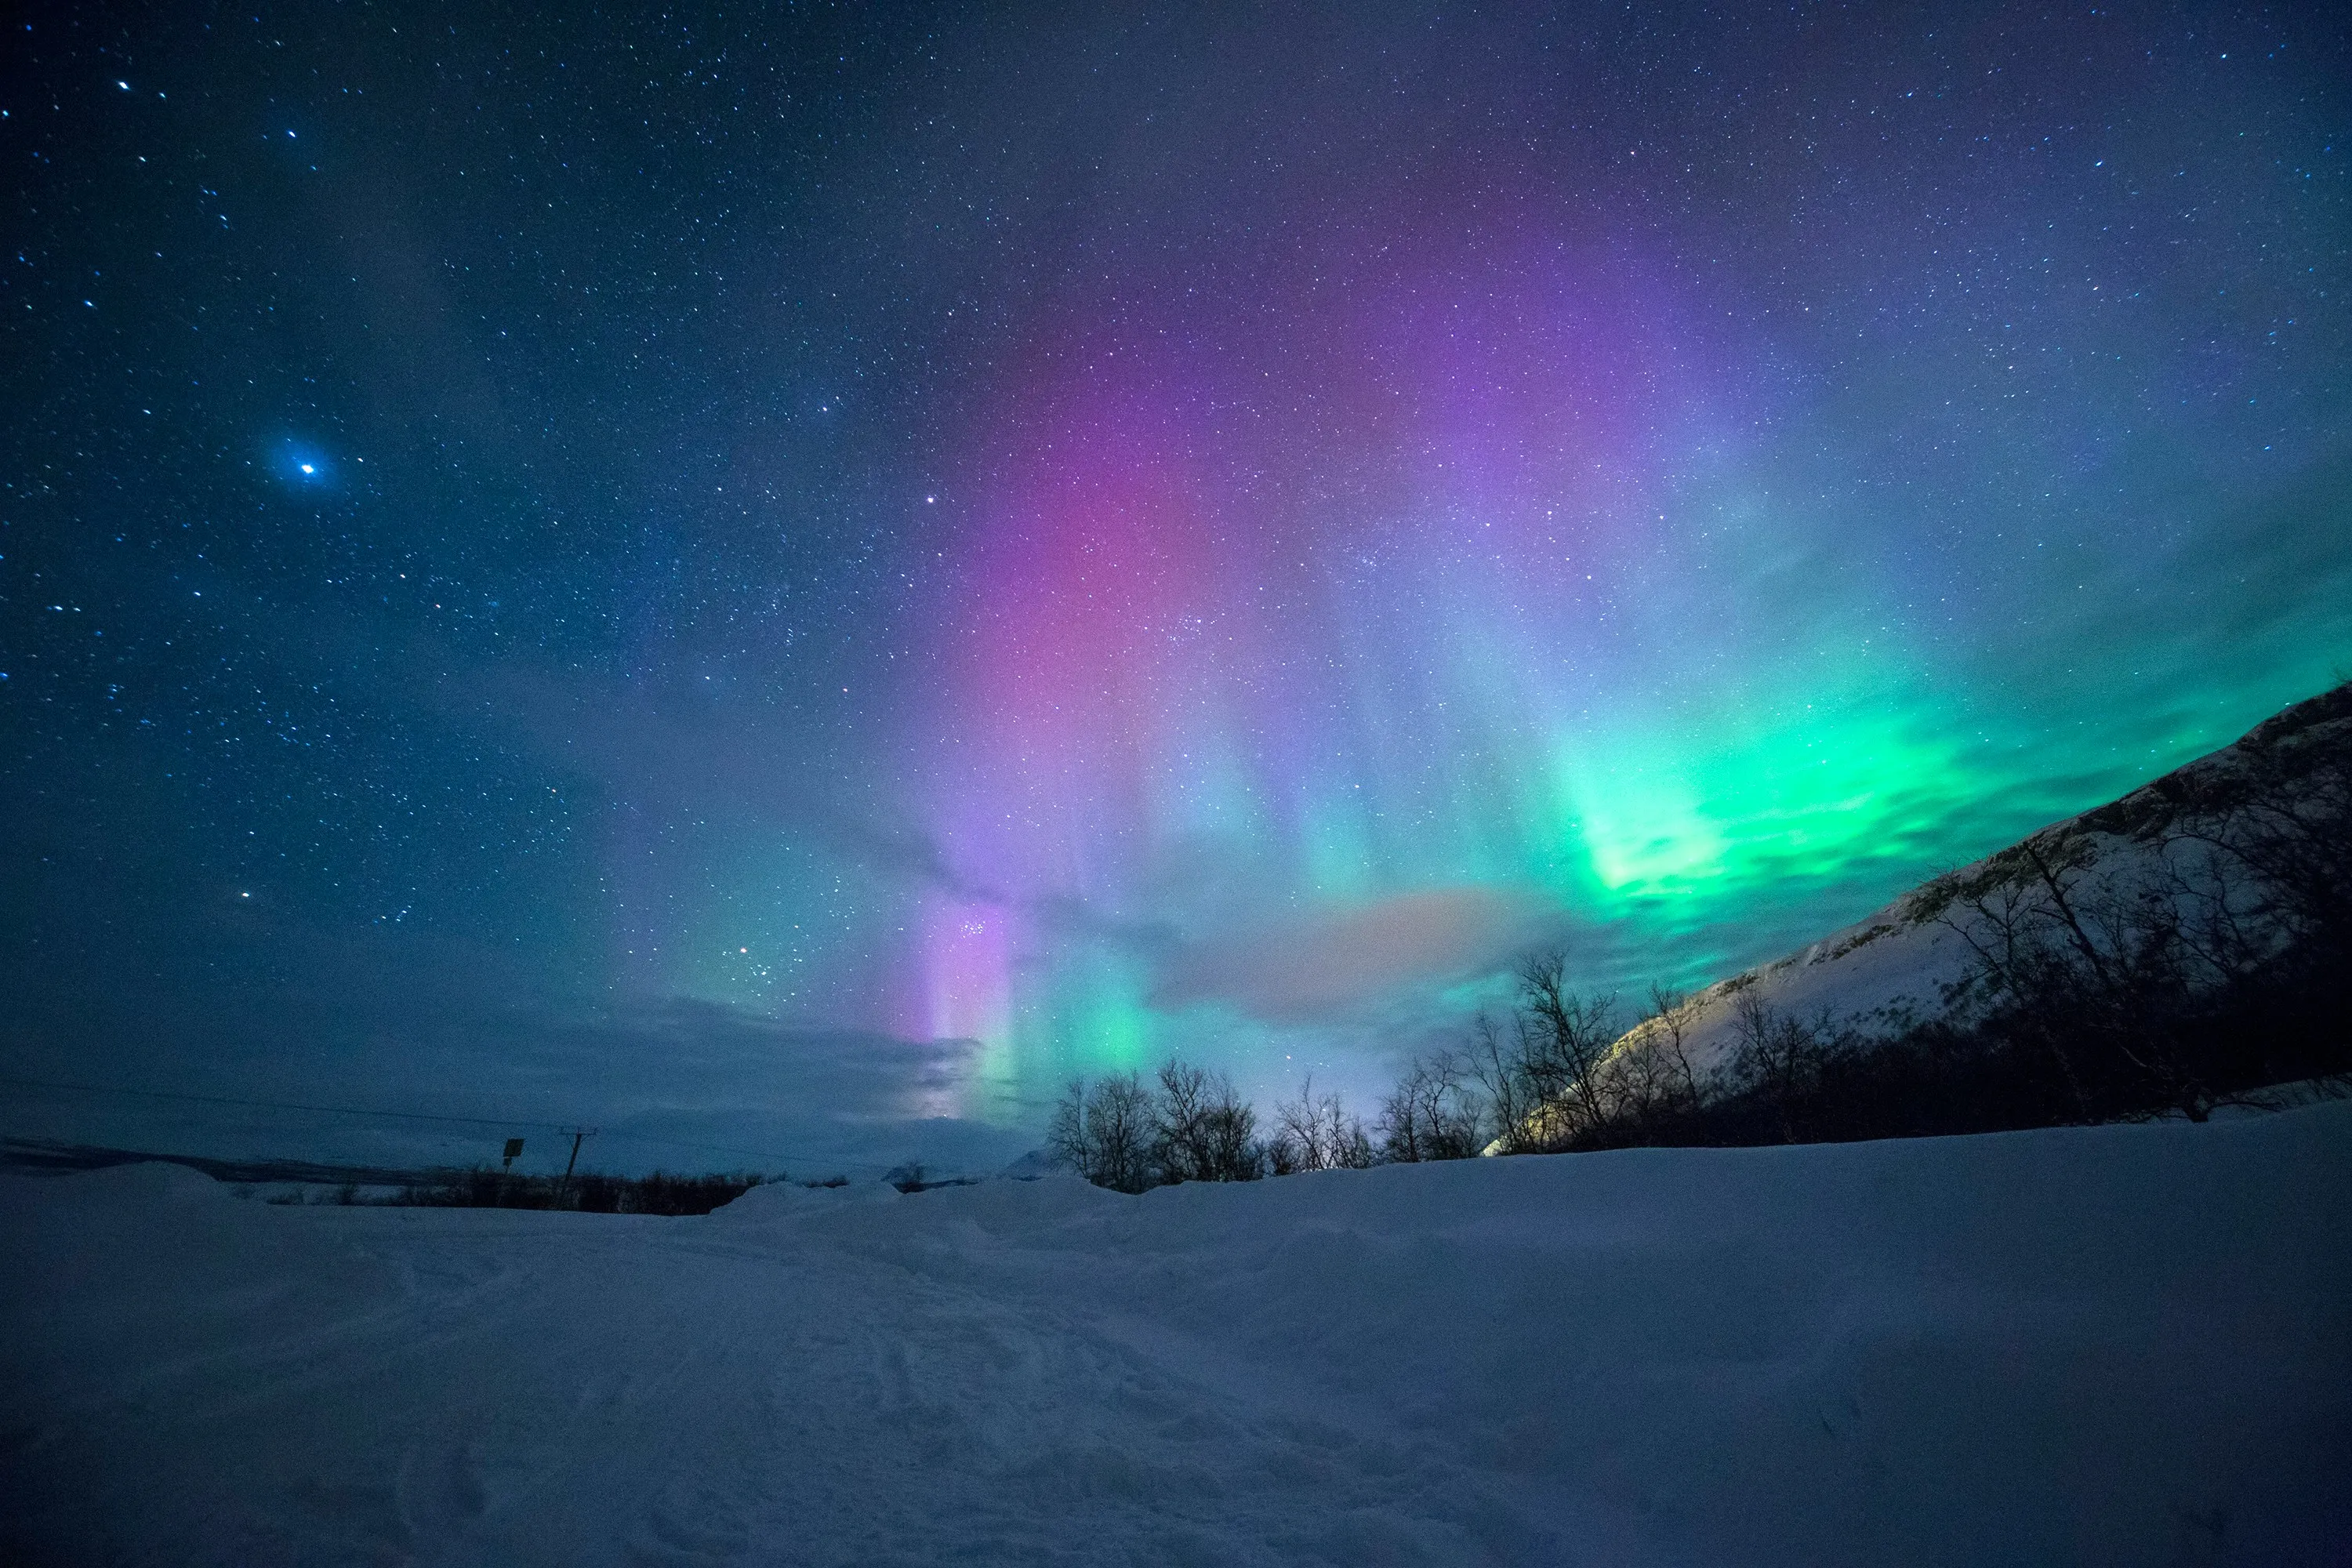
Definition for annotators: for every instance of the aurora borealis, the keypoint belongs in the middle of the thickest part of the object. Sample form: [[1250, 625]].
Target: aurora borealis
[[777, 577]]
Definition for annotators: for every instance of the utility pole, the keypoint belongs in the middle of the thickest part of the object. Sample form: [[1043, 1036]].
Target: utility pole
[[565, 1185]]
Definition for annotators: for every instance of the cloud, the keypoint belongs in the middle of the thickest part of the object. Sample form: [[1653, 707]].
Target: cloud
[[667, 1079], [264, 1006], [1353, 960]]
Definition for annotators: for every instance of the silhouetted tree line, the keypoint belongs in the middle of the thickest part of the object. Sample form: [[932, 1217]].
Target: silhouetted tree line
[[1188, 1125], [590, 1192], [2204, 968]]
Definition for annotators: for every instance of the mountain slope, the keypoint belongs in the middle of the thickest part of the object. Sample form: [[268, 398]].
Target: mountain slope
[[1899, 965]]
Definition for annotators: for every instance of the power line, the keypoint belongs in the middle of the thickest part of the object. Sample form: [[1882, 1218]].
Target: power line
[[508, 1122], [723, 1149], [283, 1105]]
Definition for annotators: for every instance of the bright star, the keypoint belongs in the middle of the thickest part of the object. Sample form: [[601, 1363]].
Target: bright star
[[303, 465]]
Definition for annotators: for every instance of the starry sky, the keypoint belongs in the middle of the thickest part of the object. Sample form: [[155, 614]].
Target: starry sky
[[784, 580]]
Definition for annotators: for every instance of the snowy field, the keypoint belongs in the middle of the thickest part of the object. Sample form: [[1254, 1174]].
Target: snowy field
[[2126, 1345]]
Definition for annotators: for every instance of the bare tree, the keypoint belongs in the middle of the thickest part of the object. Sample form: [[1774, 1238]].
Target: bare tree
[[1646, 1082], [1065, 1131], [1778, 1058], [1179, 1134], [1313, 1135], [1205, 1132], [1106, 1132], [2100, 973], [1671, 1014], [1236, 1152], [2288, 832], [1563, 1037], [2008, 957], [1431, 1114], [1510, 1097]]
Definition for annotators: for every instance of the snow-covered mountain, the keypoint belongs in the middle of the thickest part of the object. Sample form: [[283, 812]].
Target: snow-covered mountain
[[1895, 965]]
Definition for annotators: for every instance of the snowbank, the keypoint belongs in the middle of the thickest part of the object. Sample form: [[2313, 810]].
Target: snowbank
[[2128, 1344]]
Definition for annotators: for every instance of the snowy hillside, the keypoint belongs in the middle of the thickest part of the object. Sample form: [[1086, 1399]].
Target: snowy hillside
[[2115, 1344], [1895, 965]]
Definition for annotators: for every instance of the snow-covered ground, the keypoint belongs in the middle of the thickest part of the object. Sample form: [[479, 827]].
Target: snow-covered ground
[[2125, 1344]]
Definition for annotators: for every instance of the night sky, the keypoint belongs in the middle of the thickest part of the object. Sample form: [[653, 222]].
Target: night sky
[[786, 580]]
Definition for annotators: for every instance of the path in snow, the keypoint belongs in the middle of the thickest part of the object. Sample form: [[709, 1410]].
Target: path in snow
[[2119, 1344]]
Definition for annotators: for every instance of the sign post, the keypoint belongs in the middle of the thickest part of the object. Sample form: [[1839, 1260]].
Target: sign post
[[565, 1185]]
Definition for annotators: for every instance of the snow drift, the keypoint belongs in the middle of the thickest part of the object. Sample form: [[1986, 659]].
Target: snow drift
[[2120, 1344]]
